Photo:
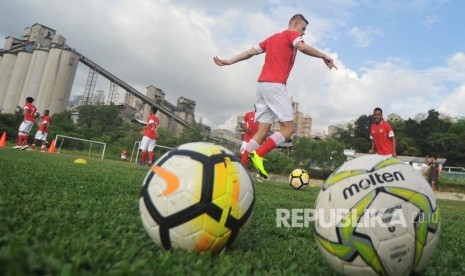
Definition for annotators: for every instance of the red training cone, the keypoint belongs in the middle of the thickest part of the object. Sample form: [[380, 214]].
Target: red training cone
[[3, 140], [51, 149]]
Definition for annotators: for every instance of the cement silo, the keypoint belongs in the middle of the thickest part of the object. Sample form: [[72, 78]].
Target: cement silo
[[13, 93], [6, 70], [67, 67], [49, 79], [34, 74]]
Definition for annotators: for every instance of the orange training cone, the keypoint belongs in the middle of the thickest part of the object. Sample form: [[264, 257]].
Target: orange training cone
[[51, 149], [3, 140]]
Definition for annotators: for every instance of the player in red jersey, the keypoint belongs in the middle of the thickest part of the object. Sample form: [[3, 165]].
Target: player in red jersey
[[29, 115], [42, 131], [250, 127], [150, 137], [382, 135], [272, 100]]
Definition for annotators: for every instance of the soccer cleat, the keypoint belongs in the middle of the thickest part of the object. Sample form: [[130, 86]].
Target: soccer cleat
[[257, 162], [16, 147], [24, 147]]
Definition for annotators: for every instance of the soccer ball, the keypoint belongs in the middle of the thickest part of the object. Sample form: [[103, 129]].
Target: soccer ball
[[298, 178], [196, 197], [376, 215]]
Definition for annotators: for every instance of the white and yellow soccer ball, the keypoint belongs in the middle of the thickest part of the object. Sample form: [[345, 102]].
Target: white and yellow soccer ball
[[299, 178], [196, 197], [376, 215]]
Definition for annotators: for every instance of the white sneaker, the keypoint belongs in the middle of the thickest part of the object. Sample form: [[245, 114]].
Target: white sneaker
[[16, 147], [24, 147]]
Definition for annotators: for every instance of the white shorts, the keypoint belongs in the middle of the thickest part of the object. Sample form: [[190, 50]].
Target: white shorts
[[25, 127], [41, 136], [147, 144], [272, 103]]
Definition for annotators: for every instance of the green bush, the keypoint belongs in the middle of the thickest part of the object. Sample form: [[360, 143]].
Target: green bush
[[279, 163]]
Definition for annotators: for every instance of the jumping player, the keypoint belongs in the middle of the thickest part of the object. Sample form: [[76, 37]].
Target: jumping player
[[272, 100]]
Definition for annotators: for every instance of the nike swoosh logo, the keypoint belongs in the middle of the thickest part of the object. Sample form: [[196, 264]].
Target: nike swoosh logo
[[171, 180]]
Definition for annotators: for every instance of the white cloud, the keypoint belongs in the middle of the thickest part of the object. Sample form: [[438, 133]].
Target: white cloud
[[364, 36], [170, 44]]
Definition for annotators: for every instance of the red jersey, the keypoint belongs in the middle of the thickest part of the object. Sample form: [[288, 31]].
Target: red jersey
[[151, 128], [44, 124], [30, 110], [280, 55], [251, 125], [381, 134]]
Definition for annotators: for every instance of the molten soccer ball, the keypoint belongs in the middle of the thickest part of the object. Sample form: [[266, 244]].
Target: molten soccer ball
[[197, 197], [298, 178], [376, 215]]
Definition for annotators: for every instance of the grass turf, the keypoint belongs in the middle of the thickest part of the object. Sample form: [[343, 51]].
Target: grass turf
[[58, 217]]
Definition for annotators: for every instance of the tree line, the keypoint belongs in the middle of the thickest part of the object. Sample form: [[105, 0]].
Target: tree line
[[430, 134]]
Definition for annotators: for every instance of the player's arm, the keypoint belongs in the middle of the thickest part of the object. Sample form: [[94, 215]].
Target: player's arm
[[239, 57], [25, 111], [372, 150], [394, 150], [310, 51]]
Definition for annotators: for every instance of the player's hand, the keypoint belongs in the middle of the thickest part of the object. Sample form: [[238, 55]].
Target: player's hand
[[221, 62], [329, 62]]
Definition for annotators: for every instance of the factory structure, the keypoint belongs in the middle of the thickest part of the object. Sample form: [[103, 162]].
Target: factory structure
[[41, 65]]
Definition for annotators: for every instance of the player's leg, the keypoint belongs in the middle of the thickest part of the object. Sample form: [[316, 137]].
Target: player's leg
[[150, 147], [143, 147], [44, 141], [265, 117], [26, 130]]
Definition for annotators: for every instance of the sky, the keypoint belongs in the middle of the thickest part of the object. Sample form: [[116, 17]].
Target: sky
[[406, 57]]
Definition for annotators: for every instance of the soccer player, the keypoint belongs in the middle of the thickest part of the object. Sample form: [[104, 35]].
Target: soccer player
[[150, 137], [29, 114], [42, 131], [382, 136], [272, 100], [250, 127]]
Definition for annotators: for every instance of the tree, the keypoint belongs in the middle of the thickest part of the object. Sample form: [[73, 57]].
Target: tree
[[193, 134], [95, 121]]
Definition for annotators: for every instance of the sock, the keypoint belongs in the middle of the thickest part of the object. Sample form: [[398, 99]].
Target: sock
[[143, 156], [20, 139], [26, 140], [272, 142], [251, 146], [151, 157]]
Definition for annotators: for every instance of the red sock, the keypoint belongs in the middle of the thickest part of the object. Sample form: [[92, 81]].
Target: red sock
[[244, 159], [266, 147], [26, 140], [20, 140], [143, 157], [272, 142], [150, 157]]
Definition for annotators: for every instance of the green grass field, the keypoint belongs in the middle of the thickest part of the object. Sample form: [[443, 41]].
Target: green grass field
[[58, 217]]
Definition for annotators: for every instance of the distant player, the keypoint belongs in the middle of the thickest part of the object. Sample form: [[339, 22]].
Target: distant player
[[382, 137], [150, 137], [250, 127], [42, 131], [29, 115]]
